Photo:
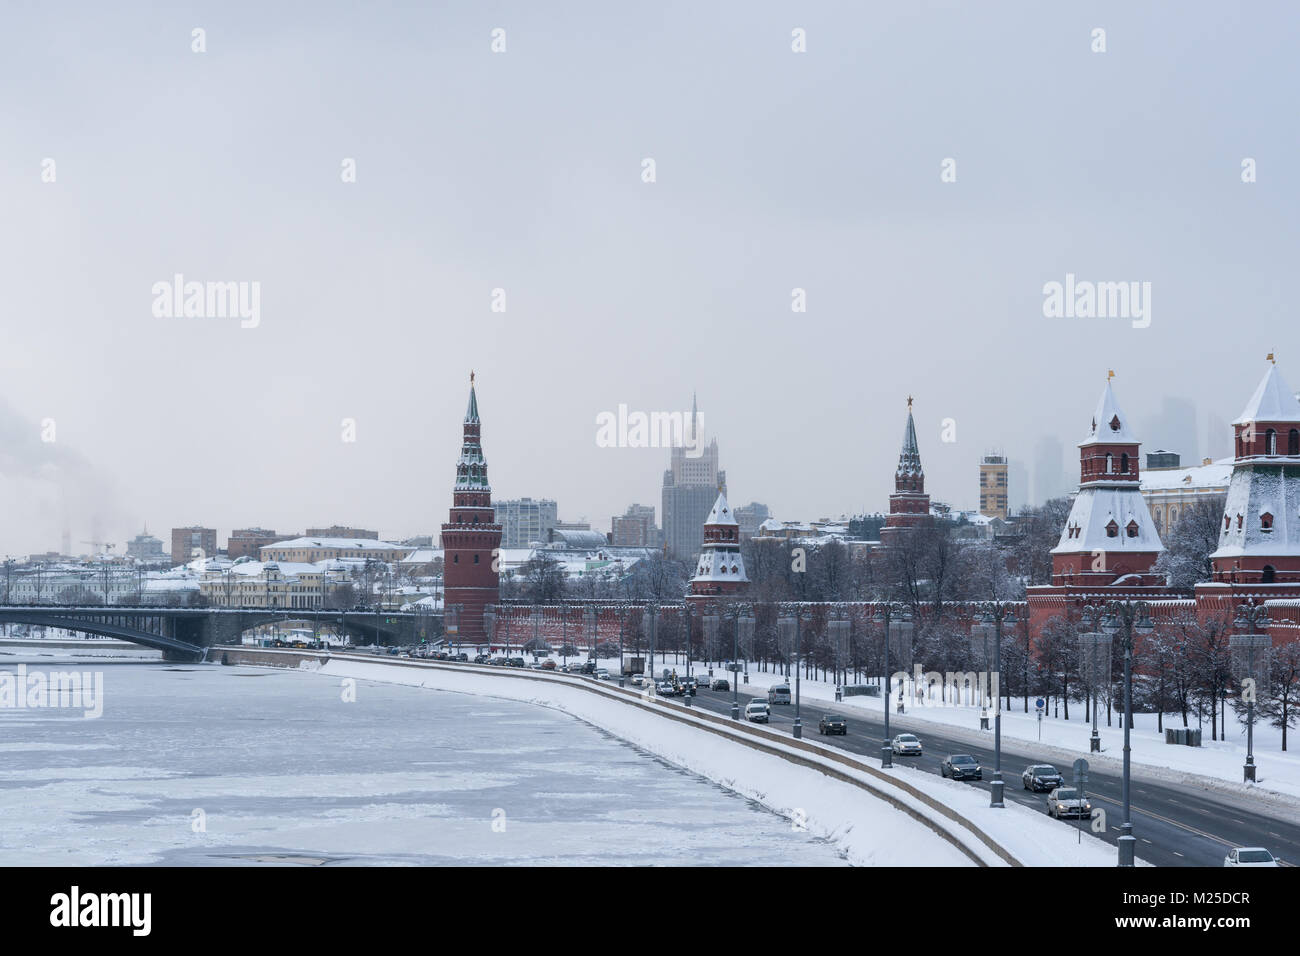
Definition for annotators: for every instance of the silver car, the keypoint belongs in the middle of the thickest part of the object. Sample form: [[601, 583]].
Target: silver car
[[906, 745], [1066, 802]]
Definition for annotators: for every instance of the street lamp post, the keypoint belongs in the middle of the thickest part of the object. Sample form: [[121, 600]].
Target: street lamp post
[[710, 622], [622, 625], [897, 621], [1253, 619], [994, 613], [1094, 647], [1125, 618], [837, 629], [589, 618], [686, 613], [791, 625], [745, 623]]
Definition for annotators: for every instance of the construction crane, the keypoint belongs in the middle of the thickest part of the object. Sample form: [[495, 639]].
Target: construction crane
[[107, 546]]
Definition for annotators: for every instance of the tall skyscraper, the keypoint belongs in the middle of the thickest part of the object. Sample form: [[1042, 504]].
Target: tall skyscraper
[[691, 485], [471, 534]]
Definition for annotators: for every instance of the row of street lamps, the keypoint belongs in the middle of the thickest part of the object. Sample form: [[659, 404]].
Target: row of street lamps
[[1122, 619]]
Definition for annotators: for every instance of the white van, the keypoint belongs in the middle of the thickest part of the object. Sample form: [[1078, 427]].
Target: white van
[[778, 694]]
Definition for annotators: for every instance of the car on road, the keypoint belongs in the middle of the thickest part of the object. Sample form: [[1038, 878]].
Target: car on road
[[720, 683], [459, 658], [483, 659], [831, 724], [516, 662], [1250, 856], [757, 711], [688, 684], [906, 745], [638, 680], [601, 674], [961, 767], [1066, 802], [548, 665], [1041, 776], [778, 694]]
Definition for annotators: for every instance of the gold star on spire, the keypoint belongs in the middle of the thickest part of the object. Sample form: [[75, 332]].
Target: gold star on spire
[[1110, 373], [909, 401], [1270, 358]]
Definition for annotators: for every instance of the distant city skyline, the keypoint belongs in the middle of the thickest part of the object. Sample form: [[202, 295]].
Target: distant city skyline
[[436, 207]]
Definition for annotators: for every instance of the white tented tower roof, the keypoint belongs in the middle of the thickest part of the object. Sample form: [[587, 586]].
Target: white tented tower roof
[[1273, 401], [1109, 423]]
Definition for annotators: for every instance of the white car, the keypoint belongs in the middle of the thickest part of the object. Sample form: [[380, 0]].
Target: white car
[[1250, 856], [906, 745], [601, 674], [758, 711], [638, 680]]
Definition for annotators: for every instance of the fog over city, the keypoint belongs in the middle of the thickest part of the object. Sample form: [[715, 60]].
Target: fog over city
[[501, 221]]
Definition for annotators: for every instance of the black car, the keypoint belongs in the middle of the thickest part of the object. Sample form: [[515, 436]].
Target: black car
[[961, 767], [830, 724], [483, 659], [720, 683], [461, 658], [516, 662], [1041, 776]]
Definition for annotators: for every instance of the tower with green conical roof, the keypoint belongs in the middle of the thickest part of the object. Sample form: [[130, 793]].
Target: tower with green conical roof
[[909, 505], [471, 538]]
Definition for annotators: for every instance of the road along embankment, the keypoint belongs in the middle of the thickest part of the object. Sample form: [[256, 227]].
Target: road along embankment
[[872, 815]]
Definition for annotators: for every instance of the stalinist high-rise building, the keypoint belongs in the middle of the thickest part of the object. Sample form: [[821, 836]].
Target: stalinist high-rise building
[[691, 485]]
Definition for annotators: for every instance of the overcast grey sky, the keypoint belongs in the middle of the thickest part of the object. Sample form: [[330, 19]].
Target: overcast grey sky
[[522, 170]]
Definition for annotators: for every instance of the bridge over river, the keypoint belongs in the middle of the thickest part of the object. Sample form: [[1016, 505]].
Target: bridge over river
[[185, 633]]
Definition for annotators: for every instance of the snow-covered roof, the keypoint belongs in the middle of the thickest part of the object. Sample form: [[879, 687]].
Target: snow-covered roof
[[1214, 475], [1093, 511], [720, 564], [721, 512], [1273, 401], [1109, 423], [1253, 493], [334, 544]]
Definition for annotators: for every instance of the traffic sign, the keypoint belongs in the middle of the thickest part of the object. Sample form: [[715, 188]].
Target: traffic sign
[[1040, 704]]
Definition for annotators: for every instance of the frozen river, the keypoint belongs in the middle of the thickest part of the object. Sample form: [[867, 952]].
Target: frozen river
[[208, 765]]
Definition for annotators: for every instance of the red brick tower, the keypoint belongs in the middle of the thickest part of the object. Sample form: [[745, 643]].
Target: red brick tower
[[1109, 545], [471, 537], [721, 569], [1109, 537], [1259, 539], [909, 505]]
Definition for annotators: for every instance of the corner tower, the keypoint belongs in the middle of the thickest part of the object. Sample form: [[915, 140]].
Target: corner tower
[[471, 537]]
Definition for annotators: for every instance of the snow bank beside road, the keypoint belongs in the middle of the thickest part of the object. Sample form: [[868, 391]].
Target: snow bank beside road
[[866, 827]]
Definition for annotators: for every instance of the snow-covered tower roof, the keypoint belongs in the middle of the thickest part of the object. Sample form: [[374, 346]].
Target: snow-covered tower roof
[[1110, 535], [721, 568], [1273, 400], [1110, 425], [1259, 539], [721, 514]]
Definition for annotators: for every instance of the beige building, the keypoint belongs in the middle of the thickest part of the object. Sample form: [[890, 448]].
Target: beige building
[[311, 550], [271, 584], [993, 486], [1167, 490]]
